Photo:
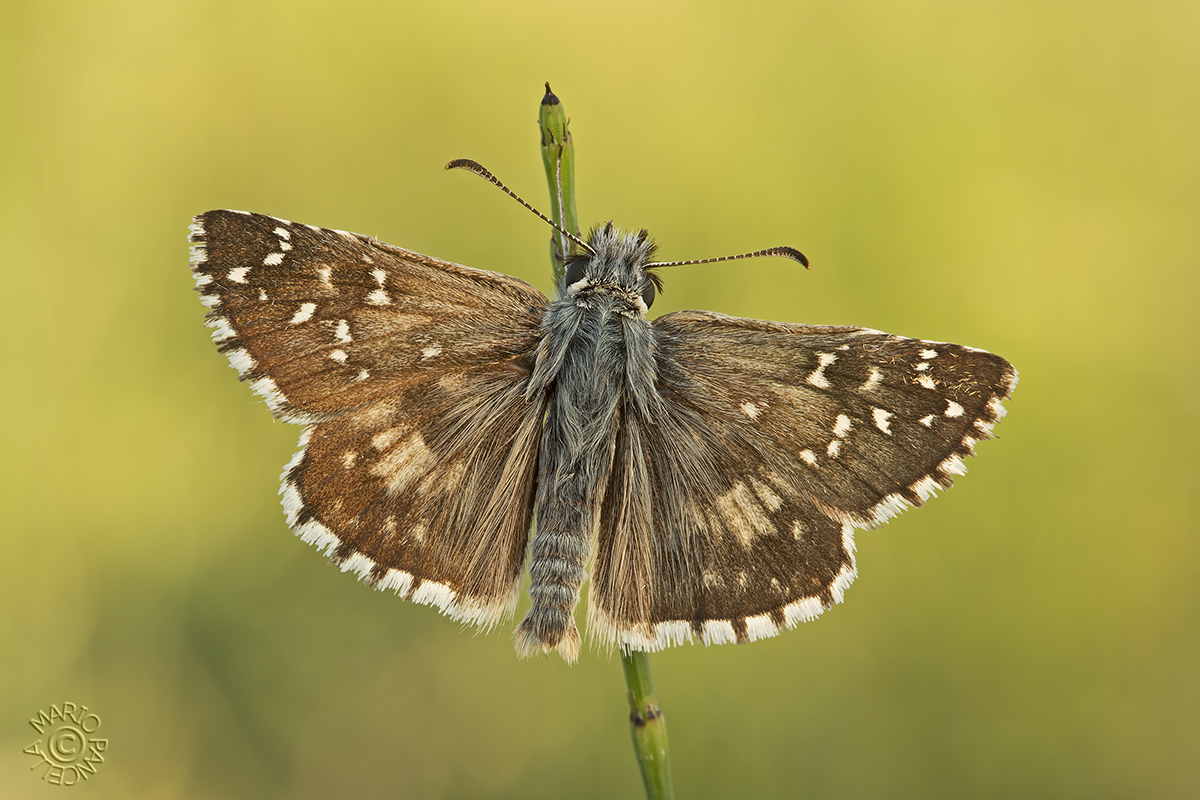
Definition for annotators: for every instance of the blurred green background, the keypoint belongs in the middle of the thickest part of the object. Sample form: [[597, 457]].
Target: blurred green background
[[1023, 177]]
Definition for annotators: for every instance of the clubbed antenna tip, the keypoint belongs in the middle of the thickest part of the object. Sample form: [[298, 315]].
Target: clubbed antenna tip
[[785, 252]]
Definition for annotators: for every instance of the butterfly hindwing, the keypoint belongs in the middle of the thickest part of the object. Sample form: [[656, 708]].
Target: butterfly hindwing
[[731, 515], [418, 472], [429, 493]]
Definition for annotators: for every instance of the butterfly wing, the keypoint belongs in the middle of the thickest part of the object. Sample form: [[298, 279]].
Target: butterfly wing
[[730, 515], [418, 469]]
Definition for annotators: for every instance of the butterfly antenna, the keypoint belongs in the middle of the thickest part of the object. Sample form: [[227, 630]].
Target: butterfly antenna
[[481, 171], [786, 252]]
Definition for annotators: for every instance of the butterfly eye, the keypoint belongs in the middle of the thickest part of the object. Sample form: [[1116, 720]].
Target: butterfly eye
[[648, 294], [575, 271]]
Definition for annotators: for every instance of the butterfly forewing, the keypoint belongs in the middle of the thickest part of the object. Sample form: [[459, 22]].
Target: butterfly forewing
[[321, 321], [779, 440], [419, 473]]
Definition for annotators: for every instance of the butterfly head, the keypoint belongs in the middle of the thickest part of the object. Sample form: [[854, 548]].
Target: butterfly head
[[616, 267]]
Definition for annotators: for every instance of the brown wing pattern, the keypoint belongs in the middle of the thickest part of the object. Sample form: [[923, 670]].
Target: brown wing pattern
[[322, 321], [419, 471], [731, 517]]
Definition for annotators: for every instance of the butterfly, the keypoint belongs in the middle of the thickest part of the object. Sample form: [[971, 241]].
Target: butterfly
[[705, 473]]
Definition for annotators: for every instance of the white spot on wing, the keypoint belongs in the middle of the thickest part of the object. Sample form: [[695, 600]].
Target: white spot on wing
[[953, 466], [222, 331], [841, 426], [874, 378], [359, 564], [238, 274], [769, 498], [316, 534], [817, 378], [802, 611], [760, 627], [379, 298], [305, 313], [430, 352], [846, 575], [925, 488], [343, 332], [405, 463], [267, 389], [283, 233], [324, 273], [953, 409], [926, 420], [385, 439], [242, 361], [433, 594], [928, 354], [742, 514], [885, 509], [396, 580], [379, 275], [749, 409], [718, 631], [881, 420], [926, 381], [834, 448], [809, 457], [273, 260], [338, 356], [292, 502]]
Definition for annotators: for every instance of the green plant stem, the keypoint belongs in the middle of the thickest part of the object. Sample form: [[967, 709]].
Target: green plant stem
[[647, 725]]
